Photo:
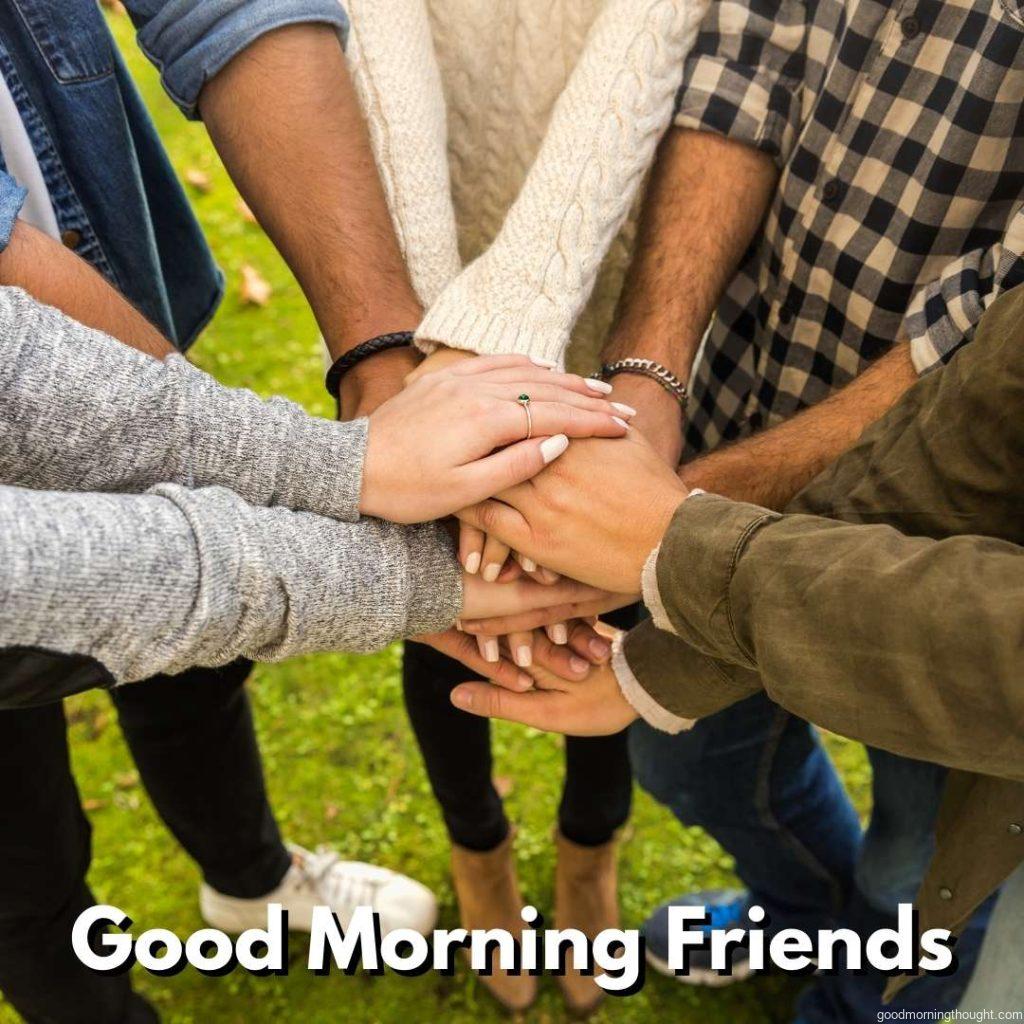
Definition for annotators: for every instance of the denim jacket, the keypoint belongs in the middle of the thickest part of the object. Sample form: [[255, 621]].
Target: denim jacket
[[116, 197]]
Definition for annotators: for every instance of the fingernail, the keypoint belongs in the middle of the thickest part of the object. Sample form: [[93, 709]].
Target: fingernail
[[547, 576], [621, 422], [552, 447], [548, 364], [601, 386], [491, 649], [524, 656], [528, 564], [526, 681], [578, 664], [473, 563], [626, 410], [462, 698], [559, 634], [599, 649], [458, 625], [492, 571]]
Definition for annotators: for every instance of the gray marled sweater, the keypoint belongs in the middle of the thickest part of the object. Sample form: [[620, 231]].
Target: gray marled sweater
[[178, 564]]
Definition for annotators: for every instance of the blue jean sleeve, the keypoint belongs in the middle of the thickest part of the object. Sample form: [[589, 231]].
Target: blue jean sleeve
[[12, 198], [189, 41]]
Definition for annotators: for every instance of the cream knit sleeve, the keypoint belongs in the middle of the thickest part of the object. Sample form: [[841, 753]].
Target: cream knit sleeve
[[525, 293], [394, 69]]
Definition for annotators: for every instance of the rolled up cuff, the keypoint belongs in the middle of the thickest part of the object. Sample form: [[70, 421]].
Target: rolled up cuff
[[640, 700]]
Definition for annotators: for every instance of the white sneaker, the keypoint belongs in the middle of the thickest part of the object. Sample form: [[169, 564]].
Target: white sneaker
[[322, 878]]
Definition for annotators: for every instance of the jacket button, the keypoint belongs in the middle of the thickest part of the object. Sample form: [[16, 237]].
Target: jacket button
[[910, 27], [1014, 829], [832, 191], [72, 239], [945, 894]]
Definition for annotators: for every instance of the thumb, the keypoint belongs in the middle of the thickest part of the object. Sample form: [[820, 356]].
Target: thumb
[[492, 702], [514, 464]]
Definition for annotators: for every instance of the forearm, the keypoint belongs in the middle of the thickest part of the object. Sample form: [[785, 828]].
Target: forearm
[[771, 467], [707, 198], [55, 276], [173, 578], [285, 119], [79, 411]]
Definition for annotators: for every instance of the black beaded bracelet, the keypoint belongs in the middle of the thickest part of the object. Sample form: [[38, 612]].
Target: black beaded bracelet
[[342, 365]]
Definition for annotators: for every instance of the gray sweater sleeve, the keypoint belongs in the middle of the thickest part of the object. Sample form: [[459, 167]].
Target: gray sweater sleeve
[[79, 411], [171, 578]]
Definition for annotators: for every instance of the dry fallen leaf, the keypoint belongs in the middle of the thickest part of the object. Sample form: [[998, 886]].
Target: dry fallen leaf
[[114, 6], [504, 785], [93, 805], [126, 780], [198, 179], [247, 215], [330, 812], [256, 289]]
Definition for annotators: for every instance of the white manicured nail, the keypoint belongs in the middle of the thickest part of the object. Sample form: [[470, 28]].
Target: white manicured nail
[[598, 385], [559, 634], [491, 649], [528, 564], [552, 447], [458, 625], [548, 364], [578, 664], [621, 422], [492, 571], [524, 656], [473, 563], [626, 410]]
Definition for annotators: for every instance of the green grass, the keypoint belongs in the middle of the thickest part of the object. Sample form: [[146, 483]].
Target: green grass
[[341, 762]]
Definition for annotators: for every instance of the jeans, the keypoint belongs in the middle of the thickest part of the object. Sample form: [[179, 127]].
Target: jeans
[[193, 742], [757, 779], [456, 747]]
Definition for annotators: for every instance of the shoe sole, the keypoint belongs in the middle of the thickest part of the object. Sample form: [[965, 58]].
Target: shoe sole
[[701, 977]]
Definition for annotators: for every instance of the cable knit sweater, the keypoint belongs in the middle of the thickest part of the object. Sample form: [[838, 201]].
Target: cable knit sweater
[[516, 135]]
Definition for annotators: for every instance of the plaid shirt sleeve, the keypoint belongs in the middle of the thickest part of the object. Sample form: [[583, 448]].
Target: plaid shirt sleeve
[[744, 77], [943, 314]]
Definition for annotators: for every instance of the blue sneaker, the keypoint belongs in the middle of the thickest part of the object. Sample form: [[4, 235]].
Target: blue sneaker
[[727, 908]]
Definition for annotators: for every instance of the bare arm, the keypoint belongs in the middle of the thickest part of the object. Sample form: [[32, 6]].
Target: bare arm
[[57, 277], [707, 198], [769, 468], [285, 119]]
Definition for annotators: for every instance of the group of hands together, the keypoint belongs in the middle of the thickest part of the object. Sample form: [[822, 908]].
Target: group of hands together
[[552, 531]]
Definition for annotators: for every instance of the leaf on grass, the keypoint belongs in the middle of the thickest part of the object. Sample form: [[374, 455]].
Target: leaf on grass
[[256, 289], [198, 179], [114, 6], [126, 780], [93, 804], [504, 785], [246, 212], [330, 812]]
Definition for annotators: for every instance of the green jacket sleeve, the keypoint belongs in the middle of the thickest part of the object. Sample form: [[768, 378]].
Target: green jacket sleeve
[[911, 644]]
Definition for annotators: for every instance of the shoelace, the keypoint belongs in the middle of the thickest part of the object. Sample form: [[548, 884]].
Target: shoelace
[[332, 886]]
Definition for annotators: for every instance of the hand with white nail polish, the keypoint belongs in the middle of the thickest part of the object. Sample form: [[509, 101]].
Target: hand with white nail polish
[[481, 600], [459, 435]]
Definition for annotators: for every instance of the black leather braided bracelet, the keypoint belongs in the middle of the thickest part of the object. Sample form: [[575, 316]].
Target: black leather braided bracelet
[[342, 365]]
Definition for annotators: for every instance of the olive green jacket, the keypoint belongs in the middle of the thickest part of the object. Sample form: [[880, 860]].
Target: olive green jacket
[[886, 605]]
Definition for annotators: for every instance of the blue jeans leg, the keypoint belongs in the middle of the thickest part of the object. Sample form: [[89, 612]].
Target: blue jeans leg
[[897, 848], [757, 779]]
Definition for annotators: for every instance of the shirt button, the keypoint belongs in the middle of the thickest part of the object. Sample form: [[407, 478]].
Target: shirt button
[[832, 190], [945, 894], [910, 27], [1014, 829], [72, 239]]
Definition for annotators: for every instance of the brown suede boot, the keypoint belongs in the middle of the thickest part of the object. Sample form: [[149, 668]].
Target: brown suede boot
[[489, 897], [586, 897]]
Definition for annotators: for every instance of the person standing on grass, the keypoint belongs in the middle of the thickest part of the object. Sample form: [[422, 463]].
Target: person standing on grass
[[516, 137], [94, 223]]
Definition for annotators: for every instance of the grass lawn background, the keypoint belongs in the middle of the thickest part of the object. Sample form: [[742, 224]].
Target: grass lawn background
[[340, 759]]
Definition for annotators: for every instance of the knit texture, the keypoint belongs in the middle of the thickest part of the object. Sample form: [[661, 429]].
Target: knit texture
[[554, 111]]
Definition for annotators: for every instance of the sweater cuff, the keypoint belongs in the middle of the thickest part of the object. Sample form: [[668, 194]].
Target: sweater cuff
[[435, 580], [696, 561], [450, 321], [640, 700]]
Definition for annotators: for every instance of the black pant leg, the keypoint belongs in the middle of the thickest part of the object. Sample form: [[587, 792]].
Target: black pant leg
[[45, 849], [193, 740], [456, 749]]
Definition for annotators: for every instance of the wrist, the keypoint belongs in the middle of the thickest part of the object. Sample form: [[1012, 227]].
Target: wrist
[[439, 359], [652, 530], [375, 380], [660, 417]]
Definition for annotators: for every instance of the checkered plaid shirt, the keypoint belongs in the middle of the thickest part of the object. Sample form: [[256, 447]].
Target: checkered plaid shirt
[[898, 129]]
